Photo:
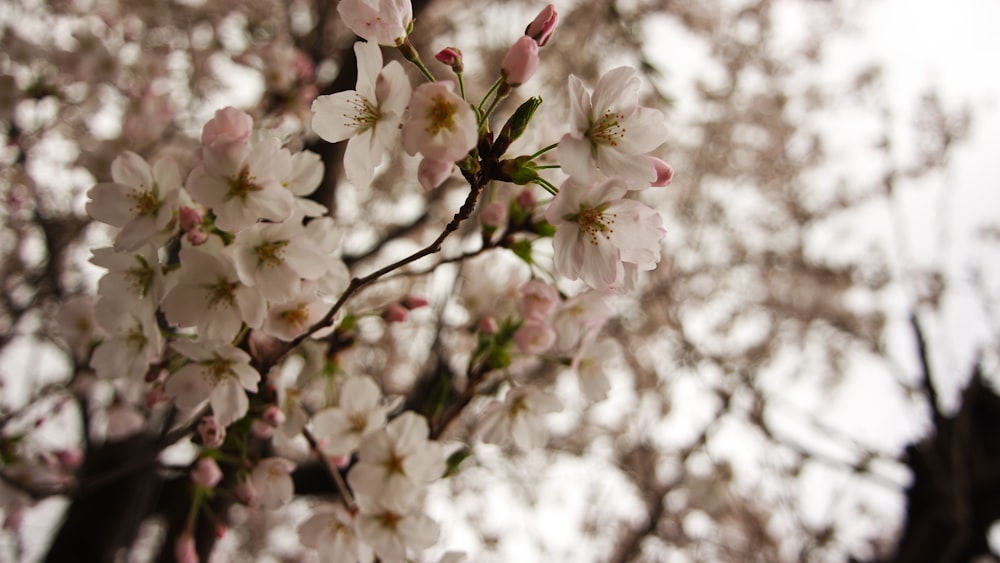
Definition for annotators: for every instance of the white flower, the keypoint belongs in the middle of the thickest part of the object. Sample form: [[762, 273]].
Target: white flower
[[220, 373], [136, 275], [141, 200], [303, 179], [578, 316], [273, 481], [379, 21], [133, 340], [589, 367], [439, 124], [369, 116], [325, 238], [395, 462], [274, 257], [600, 237], [211, 296], [610, 131], [288, 320], [246, 185], [392, 529], [330, 531], [519, 417], [339, 430]]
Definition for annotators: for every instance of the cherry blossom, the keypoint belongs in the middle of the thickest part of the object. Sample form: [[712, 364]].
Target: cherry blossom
[[136, 275], [339, 430], [519, 417], [210, 295], [331, 531], [272, 479], [141, 200], [395, 462], [391, 528], [368, 116], [380, 21], [610, 131], [244, 183], [219, 373], [132, 344], [602, 238], [288, 320], [439, 123], [274, 257]]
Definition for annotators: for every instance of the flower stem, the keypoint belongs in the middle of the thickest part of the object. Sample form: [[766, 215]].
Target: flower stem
[[547, 185], [543, 151], [479, 108], [345, 493]]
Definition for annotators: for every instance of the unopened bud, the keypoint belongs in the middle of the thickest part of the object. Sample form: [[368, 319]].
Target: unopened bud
[[664, 173], [488, 325], [541, 28], [395, 313], [452, 57], [516, 124], [520, 170], [414, 302], [526, 199], [206, 473], [494, 214], [273, 416], [521, 61], [189, 218], [432, 172]]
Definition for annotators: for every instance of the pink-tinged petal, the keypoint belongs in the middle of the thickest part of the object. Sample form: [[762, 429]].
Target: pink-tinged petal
[[132, 170], [307, 173], [334, 116], [247, 376], [409, 431], [617, 91], [637, 170], [361, 158], [229, 401], [419, 531], [567, 257], [188, 387], [167, 175], [369, 57], [579, 107], [252, 306], [274, 204], [221, 324], [135, 233], [432, 173], [109, 203], [575, 158], [392, 90], [207, 189], [645, 130]]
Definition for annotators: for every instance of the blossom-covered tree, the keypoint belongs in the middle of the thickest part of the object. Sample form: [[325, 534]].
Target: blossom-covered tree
[[304, 322]]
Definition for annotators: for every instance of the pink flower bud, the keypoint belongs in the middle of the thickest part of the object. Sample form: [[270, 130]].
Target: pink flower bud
[[229, 126], [541, 28], [189, 218], [526, 199], [412, 302], [261, 429], [206, 473], [70, 459], [521, 61], [452, 57], [246, 492], [433, 172], [488, 325], [395, 313], [340, 461], [212, 434], [664, 173], [534, 337], [273, 416], [196, 237], [184, 550], [494, 214], [538, 299]]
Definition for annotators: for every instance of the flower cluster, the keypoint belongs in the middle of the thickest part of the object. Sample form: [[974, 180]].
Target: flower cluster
[[221, 269]]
